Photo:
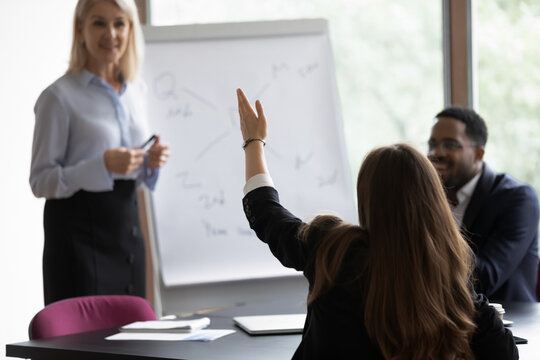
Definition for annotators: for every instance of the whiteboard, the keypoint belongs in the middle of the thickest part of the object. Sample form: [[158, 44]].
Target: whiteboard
[[192, 73]]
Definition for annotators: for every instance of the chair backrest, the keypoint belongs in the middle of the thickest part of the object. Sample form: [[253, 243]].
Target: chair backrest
[[87, 313]]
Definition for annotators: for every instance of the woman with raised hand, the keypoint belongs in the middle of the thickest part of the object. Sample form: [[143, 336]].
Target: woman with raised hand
[[398, 285], [87, 161]]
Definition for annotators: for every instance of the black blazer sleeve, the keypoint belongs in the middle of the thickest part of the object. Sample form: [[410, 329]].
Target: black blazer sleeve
[[276, 226], [505, 239], [491, 340]]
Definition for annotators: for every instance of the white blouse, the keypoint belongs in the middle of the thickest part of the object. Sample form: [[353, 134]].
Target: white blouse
[[78, 118]]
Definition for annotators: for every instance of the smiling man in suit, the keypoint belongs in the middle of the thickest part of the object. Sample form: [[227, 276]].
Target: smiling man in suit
[[496, 213]]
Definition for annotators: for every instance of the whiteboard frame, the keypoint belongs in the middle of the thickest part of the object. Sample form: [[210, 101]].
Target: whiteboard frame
[[185, 299], [234, 30]]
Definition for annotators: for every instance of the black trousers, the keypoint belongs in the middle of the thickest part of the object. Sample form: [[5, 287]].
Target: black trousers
[[94, 244]]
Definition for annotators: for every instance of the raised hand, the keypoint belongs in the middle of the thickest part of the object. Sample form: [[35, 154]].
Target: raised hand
[[253, 125]]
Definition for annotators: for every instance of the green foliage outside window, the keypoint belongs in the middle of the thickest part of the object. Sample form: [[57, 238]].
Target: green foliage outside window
[[508, 89]]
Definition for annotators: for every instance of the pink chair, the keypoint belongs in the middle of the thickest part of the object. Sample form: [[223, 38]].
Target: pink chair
[[87, 313]]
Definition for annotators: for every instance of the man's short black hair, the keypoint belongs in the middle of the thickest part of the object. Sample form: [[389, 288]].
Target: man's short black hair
[[475, 126]]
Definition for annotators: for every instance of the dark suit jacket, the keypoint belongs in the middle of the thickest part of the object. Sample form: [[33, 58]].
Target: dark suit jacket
[[501, 222], [334, 327]]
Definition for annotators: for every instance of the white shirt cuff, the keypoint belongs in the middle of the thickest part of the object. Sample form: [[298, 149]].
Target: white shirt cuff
[[257, 181]]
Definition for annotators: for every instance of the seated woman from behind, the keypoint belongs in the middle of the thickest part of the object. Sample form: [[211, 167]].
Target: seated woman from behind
[[398, 286]]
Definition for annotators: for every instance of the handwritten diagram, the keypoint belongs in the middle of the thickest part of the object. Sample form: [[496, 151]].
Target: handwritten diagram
[[192, 102]]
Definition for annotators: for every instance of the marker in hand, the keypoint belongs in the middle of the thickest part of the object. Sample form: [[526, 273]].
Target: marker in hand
[[148, 142]]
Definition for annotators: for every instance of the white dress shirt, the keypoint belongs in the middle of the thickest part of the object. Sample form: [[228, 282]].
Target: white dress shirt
[[464, 197]]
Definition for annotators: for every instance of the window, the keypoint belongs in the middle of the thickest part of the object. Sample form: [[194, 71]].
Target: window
[[387, 53], [508, 85]]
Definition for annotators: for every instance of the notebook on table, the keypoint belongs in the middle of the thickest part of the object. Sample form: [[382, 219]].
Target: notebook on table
[[166, 326], [271, 324]]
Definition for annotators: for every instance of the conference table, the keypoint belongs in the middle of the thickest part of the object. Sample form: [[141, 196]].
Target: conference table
[[238, 346]]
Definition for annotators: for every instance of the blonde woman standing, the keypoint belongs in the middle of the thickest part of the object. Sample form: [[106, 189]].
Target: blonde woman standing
[[87, 161], [397, 286]]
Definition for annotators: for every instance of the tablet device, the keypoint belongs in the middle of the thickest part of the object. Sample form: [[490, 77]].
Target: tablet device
[[271, 324]]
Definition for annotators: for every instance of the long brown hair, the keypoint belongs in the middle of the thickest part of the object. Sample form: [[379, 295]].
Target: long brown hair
[[417, 276]]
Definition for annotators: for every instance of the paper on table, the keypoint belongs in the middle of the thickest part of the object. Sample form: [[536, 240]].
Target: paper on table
[[198, 335], [167, 326]]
